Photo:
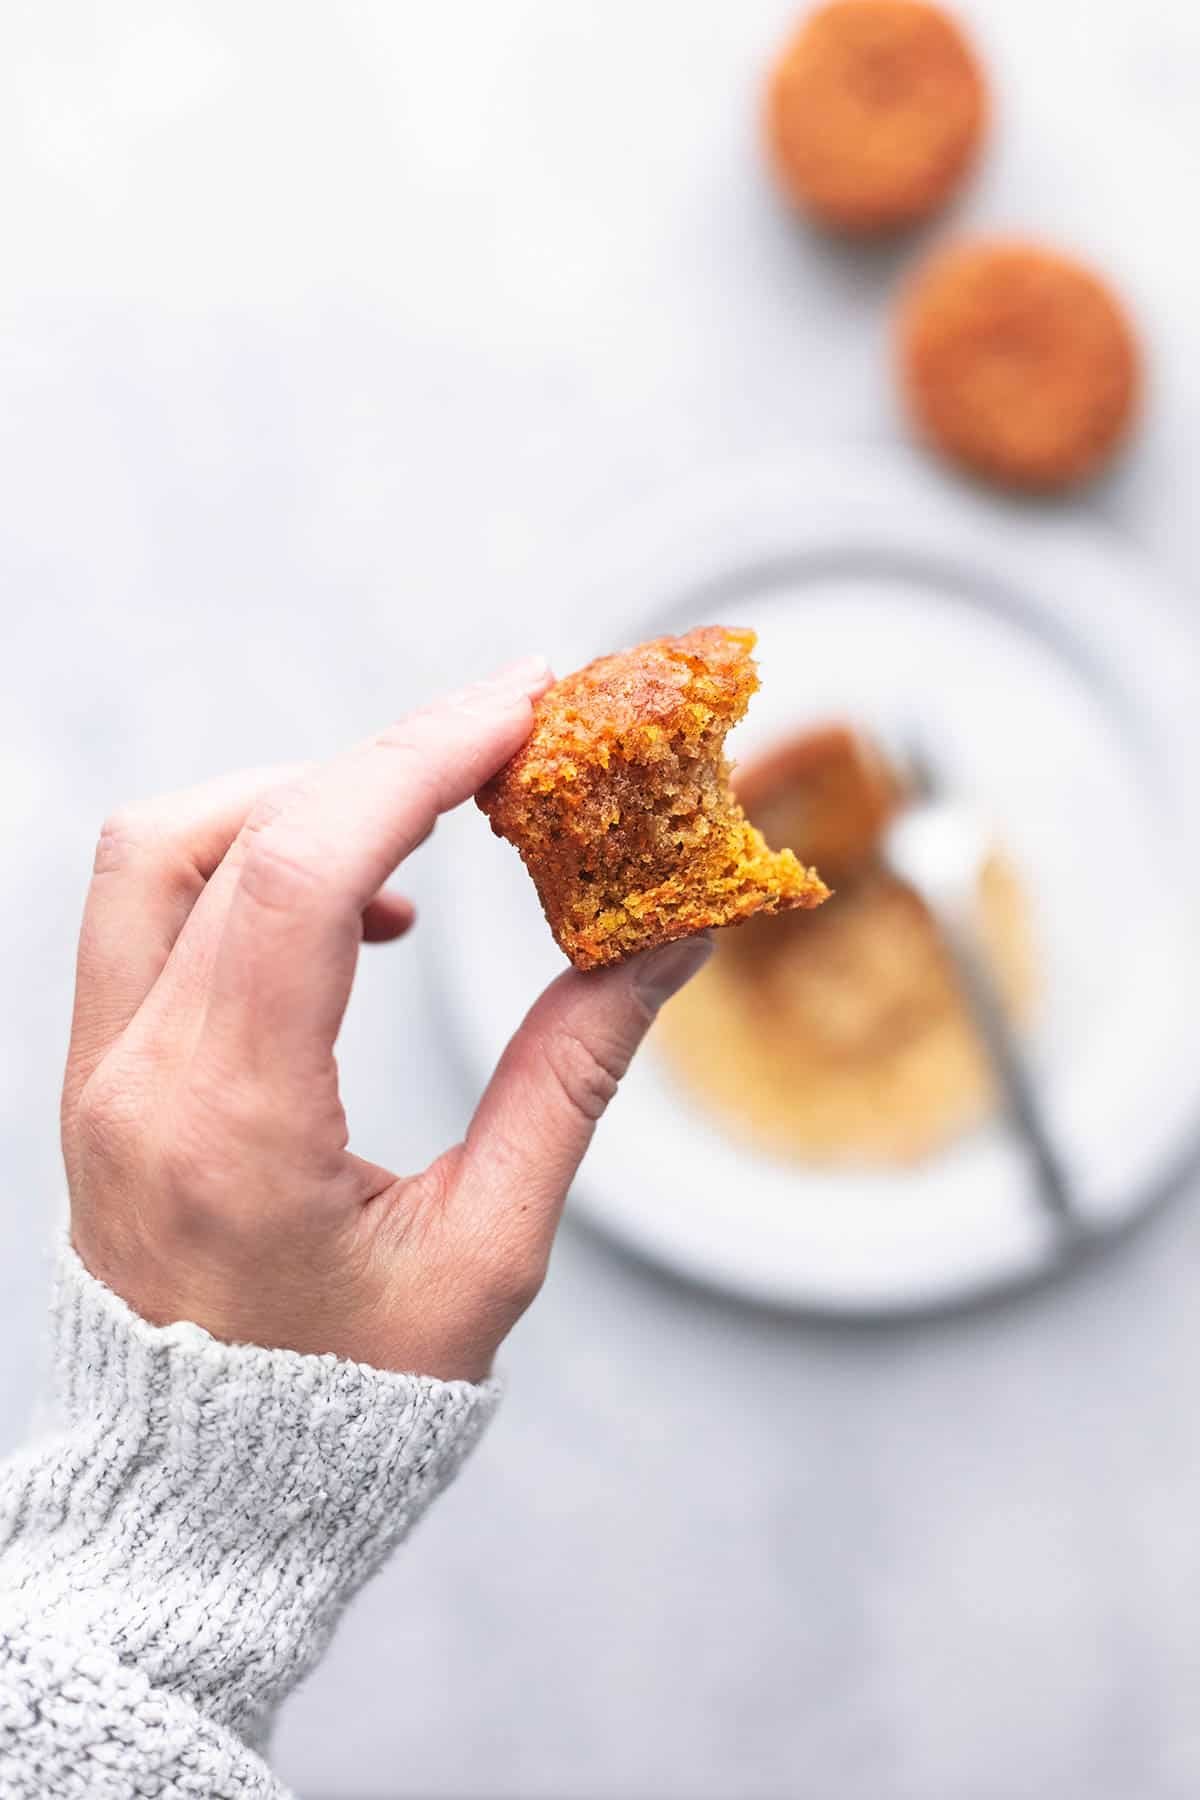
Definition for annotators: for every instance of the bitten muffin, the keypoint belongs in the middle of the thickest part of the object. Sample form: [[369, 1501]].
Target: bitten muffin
[[1017, 363], [620, 808], [875, 111]]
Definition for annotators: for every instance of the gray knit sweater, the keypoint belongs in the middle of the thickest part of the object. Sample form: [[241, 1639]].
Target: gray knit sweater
[[174, 1556]]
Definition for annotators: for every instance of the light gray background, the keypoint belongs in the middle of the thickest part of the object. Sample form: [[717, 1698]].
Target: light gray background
[[318, 324]]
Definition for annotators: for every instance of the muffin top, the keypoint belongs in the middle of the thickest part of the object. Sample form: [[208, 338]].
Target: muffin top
[[1018, 362], [874, 112], [629, 706]]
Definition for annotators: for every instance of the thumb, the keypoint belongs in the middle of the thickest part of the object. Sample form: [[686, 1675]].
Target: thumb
[[552, 1084]]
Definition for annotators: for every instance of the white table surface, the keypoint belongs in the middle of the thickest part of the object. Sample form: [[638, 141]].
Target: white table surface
[[319, 324]]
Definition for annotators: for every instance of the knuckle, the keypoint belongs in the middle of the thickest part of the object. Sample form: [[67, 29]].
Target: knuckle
[[276, 874], [106, 1111], [123, 834], [142, 836], [587, 1073], [107, 1125], [269, 807]]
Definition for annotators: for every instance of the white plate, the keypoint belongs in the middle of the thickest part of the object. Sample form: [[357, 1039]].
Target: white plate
[[1061, 685]]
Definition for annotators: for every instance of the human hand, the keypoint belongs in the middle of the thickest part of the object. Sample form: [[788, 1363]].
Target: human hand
[[203, 1130]]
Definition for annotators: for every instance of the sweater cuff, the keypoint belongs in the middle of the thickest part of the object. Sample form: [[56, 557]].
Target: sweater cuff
[[207, 1509]]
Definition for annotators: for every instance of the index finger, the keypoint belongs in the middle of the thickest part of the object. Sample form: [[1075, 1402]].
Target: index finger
[[307, 863], [152, 864]]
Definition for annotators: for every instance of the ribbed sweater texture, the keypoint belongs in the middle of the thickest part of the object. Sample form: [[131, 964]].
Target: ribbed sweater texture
[[175, 1552]]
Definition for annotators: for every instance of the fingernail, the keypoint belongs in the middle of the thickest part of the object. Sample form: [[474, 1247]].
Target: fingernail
[[663, 972], [518, 681], [521, 677]]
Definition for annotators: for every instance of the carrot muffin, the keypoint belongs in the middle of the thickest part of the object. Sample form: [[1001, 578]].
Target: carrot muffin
[[1018, 363], [620, 808], [874, 113], [846, 1042]]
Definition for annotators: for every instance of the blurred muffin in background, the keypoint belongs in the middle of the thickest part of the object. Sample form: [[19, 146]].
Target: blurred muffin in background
[[841, 1037], [875, 110], [1017, 363]]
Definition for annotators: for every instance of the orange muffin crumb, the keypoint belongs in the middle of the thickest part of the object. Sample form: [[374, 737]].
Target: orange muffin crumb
[[874, 113], [1018, 363], [620, 808]]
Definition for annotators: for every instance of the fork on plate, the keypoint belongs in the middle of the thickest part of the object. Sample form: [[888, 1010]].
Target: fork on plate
[[938, 845]]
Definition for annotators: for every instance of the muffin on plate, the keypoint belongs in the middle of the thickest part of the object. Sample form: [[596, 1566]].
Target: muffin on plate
[[847, 1042]]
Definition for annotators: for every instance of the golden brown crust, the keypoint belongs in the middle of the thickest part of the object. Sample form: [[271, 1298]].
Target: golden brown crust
[[619, 806], [875, 111], [1018, 363]]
